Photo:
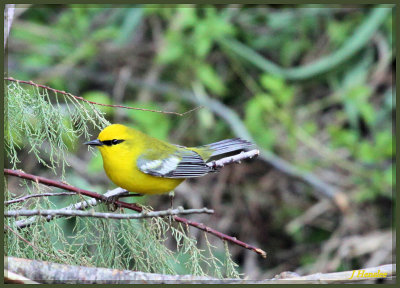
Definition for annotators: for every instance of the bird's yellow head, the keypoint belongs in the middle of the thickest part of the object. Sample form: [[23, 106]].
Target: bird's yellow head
[[113, 138]]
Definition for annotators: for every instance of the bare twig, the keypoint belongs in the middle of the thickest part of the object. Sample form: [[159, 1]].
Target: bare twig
[[113, 194], [96, 103], [77, 206], [52, 273], [68, 213], [233, 159], [201, 226], [37, 195]]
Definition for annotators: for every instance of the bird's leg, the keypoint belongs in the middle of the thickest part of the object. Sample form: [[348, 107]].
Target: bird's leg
[[110, 201], [171, 197], [111, 206]]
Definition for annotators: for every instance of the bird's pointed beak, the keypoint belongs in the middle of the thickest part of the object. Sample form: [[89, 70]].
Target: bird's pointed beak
[[95, 142]]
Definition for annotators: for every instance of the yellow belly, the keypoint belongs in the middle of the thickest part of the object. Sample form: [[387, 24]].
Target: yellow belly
[[125, 175], [142, 183]]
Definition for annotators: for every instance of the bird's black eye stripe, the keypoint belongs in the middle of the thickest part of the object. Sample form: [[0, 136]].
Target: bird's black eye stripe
[[112, 142]]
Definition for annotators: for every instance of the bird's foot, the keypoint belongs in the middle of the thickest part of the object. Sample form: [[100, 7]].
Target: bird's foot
[[110, 200], [171, 199]]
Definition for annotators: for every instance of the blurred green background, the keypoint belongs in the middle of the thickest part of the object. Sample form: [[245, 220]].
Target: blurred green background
[[314, 85]]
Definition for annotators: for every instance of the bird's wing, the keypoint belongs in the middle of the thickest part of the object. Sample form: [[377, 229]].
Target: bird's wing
[[182, 163]]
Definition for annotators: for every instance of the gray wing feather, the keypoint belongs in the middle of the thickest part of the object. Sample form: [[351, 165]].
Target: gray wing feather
[[229, 145], [183, 163]]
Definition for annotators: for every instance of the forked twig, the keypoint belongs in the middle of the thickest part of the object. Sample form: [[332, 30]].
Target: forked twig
[[58, 184], [68, 213], [233, 159], [6, 203], [96, 103]]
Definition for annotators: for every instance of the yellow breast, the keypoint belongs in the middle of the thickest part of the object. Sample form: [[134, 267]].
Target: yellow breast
[[123, 172]]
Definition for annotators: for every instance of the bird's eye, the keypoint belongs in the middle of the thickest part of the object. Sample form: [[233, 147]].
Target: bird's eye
[[114, 141]]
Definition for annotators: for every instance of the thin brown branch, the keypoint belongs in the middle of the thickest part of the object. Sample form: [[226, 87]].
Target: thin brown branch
[[52, 273], [54, 183], [37, 195], [201, 226], [220, 235], [96, 103], [69, 213]]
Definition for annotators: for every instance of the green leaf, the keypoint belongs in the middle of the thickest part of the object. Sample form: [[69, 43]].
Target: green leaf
[[310, 127], [188, 17], [366, 152], [276, 86], [355, 103], [210, 78], [340, 138], [338, 31], [173, 50], [368, 113], [385, 143], [366, 194], [202, 47]]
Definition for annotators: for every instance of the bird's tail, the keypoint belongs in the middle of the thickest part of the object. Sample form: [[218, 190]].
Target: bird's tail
[[229, 145]]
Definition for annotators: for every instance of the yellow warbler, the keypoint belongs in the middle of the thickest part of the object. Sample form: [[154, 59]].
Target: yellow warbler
[[145, 165]]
